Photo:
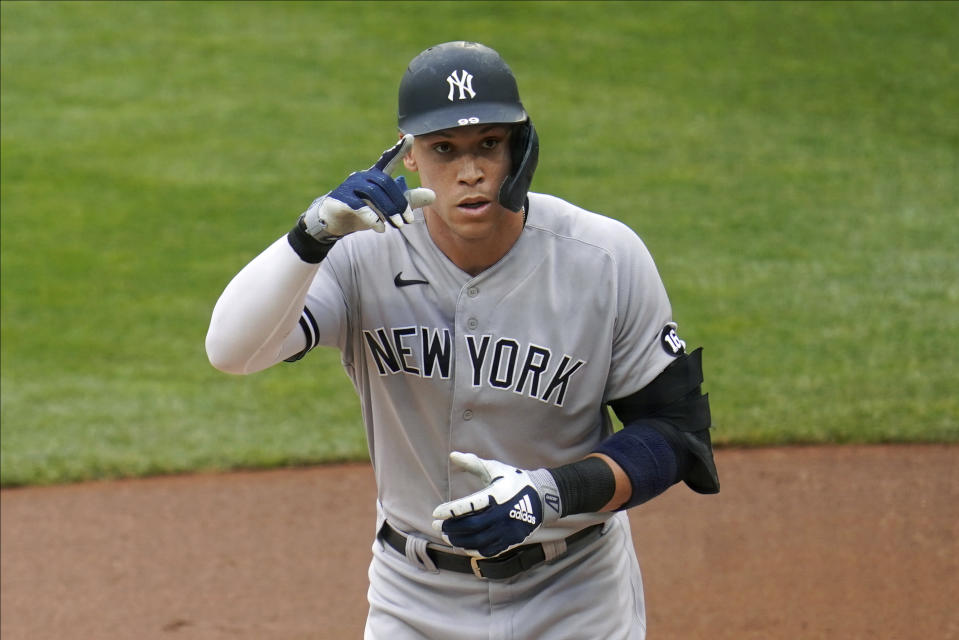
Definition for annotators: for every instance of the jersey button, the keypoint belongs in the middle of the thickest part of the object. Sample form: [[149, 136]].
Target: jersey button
[[472, 323], [472, 292], [467, 415]]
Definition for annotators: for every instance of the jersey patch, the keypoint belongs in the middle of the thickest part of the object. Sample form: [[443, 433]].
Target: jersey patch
[[670, 340]]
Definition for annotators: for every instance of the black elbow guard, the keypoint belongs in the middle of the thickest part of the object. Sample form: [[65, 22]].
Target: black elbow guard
[[674, 405]]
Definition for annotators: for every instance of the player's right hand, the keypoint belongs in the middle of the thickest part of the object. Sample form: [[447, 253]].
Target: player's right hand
[[502, 515], [368, 199]]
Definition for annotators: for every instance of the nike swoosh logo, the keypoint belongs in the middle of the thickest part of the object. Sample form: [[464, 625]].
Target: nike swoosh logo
[[400, 282]]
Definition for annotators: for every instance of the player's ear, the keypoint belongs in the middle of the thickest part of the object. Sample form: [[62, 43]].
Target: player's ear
[[409, 161]]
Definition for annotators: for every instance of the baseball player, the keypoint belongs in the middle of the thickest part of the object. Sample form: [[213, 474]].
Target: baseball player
[[486, 329]]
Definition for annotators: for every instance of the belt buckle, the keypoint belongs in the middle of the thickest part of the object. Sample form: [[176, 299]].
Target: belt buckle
[[474, 565]]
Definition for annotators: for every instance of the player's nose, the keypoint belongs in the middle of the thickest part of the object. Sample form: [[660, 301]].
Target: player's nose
[[470, 172]]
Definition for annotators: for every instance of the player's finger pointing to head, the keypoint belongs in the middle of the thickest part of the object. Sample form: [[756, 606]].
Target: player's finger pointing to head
[[415, 198], [394, 155]]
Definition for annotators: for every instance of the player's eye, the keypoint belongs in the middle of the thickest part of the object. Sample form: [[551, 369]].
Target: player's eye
[[442, 147], [490, 143]]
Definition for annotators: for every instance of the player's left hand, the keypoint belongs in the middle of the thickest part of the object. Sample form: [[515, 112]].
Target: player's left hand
[[514, 504]]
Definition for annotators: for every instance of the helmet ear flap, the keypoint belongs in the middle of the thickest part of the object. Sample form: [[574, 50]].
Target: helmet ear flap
[[524, 155]]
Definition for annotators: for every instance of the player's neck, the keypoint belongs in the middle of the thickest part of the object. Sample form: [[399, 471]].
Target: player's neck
[[475, 254]]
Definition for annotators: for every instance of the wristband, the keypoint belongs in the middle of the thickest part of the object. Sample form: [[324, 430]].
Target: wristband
[[306, 246], [585, 486], [646, 457]]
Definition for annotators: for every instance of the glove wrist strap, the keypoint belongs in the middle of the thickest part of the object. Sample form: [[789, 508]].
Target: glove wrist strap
[[545, 484], [313, 221]]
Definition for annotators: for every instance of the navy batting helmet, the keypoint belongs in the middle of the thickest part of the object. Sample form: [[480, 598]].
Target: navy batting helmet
[[457, 84]]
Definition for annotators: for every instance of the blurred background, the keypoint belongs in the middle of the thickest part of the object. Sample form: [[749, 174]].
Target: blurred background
[[793, 167]]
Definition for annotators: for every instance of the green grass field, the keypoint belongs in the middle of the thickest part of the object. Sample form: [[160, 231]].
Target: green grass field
[[793, 167]]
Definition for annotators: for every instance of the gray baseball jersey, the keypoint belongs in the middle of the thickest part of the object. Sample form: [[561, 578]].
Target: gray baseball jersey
[[515, 364]]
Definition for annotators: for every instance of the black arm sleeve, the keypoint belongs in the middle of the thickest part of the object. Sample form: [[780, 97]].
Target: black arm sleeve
[[674, 405]]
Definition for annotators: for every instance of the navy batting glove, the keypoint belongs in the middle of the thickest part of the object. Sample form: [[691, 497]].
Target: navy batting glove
[[378, 191], [367, 200], [514, 504]]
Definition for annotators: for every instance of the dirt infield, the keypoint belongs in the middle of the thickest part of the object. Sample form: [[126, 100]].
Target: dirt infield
[[844, 542]]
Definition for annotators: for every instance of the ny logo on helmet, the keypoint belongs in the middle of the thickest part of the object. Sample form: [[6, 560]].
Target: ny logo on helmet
[[464, 82]]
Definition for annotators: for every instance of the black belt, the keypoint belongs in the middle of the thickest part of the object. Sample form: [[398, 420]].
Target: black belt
[[503, 566]]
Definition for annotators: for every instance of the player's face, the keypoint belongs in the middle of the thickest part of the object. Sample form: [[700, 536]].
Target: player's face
[[465, 167]]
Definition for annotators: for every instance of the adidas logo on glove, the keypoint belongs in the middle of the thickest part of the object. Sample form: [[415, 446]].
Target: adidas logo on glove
[[523, 511]]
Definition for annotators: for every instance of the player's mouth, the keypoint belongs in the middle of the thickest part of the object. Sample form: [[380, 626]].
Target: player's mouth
[[473, 204]]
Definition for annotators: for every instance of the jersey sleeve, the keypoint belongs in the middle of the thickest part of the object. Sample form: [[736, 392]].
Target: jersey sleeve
[[326, 313], [643, 318]]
